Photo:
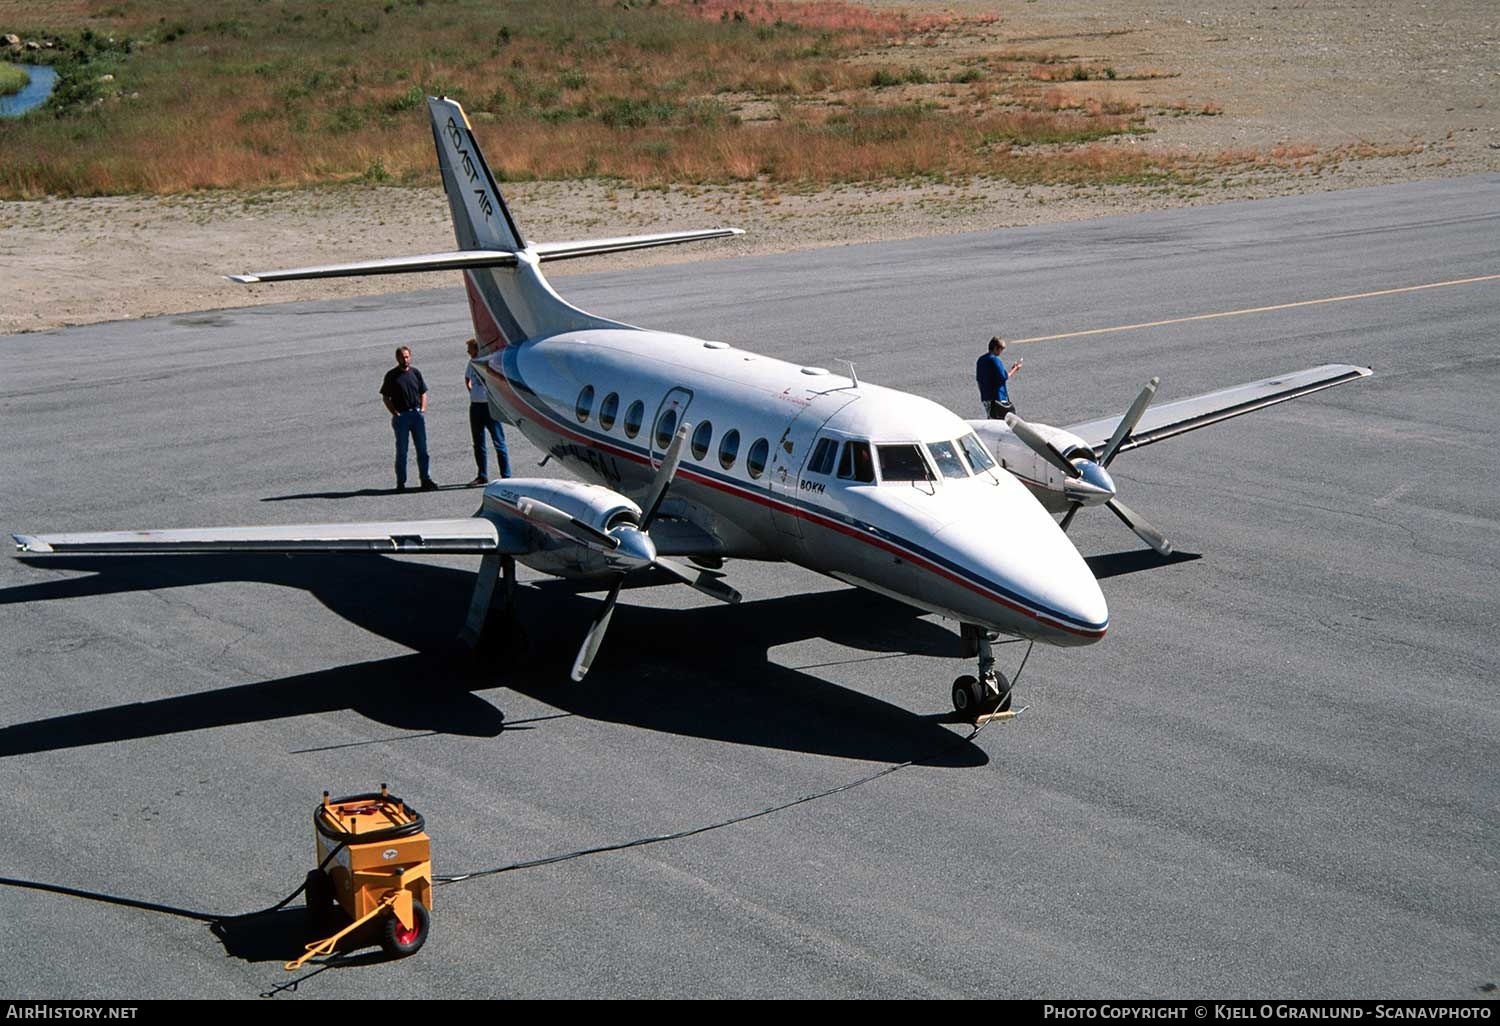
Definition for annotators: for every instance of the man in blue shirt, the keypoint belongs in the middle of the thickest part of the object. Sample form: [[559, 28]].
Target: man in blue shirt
[[992, 376]]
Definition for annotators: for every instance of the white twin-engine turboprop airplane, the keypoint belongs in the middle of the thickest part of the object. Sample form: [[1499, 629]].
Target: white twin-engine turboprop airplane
[[697, 450]]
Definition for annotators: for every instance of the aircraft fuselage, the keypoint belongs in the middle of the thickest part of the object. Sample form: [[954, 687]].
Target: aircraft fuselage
[[922, 519]]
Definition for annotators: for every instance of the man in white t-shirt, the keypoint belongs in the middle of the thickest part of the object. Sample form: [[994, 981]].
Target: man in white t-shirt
[[480, 422]]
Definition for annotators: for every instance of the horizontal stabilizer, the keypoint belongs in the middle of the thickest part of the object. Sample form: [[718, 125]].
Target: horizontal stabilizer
[[464, 259], [1167, 420], [457, 261], [470, 535], [594, 247]]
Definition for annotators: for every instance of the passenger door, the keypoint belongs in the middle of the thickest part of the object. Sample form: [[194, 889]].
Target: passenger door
[[789, 456]]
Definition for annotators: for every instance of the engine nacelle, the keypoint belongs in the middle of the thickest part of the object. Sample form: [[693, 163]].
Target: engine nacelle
[[594, 505], [1014, 453]]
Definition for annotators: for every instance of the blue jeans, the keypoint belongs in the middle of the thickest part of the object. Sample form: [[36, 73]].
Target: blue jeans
[[412, 424], [480, 421]]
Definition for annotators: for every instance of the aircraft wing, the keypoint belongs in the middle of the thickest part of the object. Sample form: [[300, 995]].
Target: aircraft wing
[[1175, 418], [469, 535]]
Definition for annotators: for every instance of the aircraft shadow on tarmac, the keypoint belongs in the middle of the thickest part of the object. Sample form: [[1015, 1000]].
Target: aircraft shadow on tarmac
[[701, 672]]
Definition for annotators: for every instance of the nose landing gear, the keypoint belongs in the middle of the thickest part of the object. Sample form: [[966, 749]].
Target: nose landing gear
[[979, 700]]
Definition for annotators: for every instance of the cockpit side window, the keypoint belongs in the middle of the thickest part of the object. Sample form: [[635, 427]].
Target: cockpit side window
[[902, 463], [979, 457], [945, 455], [855, 463], [822, 457]]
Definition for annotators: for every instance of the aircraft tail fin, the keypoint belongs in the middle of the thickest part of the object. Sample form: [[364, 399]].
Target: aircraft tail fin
[[507, 303], [481, 220], [509, 299]]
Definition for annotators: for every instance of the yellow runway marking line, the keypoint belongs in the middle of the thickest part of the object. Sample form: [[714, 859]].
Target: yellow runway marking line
[[1258, 309]]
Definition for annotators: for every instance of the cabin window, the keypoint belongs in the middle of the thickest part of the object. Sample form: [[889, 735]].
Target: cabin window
[[823, 456], [634, 415], [703, 434], [945, 455], [979, 457], [755, 461], [666, 426], [585, 403], [609, 410], [855, 463], [729, 449], [903, 463]]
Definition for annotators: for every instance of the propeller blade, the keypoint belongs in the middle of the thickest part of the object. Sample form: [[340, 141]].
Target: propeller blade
[[1039, 445], [595, 636], [1133, 520], [1068, 519], [664, 475], [1129, 421], [585, 534], [704, 582]]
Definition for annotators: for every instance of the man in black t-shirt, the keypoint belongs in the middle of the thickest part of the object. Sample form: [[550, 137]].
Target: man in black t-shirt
[[405, 395]]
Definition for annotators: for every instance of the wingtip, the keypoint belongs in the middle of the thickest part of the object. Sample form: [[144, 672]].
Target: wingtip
[[243, 279], [30, 543]]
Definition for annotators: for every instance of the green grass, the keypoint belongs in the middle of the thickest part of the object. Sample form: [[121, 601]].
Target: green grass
[[13, 79]]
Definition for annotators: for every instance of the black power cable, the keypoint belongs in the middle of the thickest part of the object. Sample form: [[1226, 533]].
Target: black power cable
[[660, 838]]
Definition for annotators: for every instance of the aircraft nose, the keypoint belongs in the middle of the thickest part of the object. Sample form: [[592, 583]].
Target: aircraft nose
[[1036, 582]]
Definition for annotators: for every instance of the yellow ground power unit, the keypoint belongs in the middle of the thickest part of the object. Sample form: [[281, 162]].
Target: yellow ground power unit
[[374, 864]]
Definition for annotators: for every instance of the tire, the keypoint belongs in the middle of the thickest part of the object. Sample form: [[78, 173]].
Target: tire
[[397, 941], [322, 903], [966, 696]]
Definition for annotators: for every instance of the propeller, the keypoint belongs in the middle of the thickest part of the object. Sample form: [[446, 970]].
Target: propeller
[[1129, 421], [563, 523], [1049, 452], [631, 548], [1041, 446]]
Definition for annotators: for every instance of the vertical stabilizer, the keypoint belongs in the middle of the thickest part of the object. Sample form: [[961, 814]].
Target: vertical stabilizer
[[508, 304]]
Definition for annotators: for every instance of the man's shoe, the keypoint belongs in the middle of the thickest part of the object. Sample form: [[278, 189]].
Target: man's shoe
[[429, 485], [480, 480], [401, 487]]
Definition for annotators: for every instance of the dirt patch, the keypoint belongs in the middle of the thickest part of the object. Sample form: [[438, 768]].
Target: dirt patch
[[1259, 99]]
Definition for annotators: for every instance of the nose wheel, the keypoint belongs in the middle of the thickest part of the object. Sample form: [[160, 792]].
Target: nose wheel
[[980, 699], [976, 699]]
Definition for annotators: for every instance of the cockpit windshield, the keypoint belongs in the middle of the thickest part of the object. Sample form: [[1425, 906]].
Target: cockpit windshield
[[902, 463], [979, 457], [945, 455]]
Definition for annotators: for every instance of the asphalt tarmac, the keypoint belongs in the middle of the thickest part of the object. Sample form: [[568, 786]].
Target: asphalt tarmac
[[1277, 776]]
